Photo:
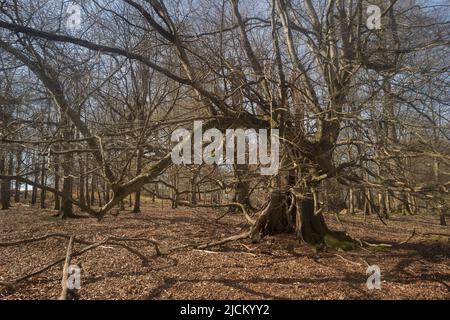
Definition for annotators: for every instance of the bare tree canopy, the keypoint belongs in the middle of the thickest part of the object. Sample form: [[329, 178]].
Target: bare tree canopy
[[355, 103]]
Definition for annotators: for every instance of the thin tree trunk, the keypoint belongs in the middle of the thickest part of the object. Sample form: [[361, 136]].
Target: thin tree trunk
[[56, 197], [93, 190], [34, 189], [351, 201], [25, 194], [66, 205], [106, 192], [194, 188], [368, 202], [137, 199], [99, 193], [43, 182], [82, 182], [86, 188], [5, 197], [17, 186]]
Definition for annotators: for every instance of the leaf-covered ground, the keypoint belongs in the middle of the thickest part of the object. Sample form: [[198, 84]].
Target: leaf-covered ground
[[276, 268]]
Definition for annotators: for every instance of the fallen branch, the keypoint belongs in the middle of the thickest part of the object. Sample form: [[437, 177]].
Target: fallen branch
[[223, 241], [54, 263], [435, 234], [410, 237], [62, 235], [209, 244], [143, 258], [363, 243], [44, 237], [376, 245], [347, 260], [206, 251], [63, 295], [111, 240], [151, 241]]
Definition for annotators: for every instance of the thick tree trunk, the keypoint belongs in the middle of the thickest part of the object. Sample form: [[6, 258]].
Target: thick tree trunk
[[241, 194], [137, 202], [66, 205], [276, 217], [242, 191], [286, 213]]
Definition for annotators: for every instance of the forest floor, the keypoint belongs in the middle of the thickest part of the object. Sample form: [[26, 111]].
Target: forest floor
[[276, 268]]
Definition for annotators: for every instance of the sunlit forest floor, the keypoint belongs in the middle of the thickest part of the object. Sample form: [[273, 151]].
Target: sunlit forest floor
[[276, 268]]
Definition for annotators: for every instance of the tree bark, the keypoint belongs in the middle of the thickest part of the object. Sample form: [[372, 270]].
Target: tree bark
[[5, 195], [66, 205], [56, 197], [137, 199], [17, 187], [34, 189], [351, 201], [65, 275], [43, 182], [93, 190], [25, 193], [99, 193], [86, 188], [287, 213], [82, 182]]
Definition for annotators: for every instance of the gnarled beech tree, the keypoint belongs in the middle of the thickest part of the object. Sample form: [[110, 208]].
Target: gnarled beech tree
[[336, 90]]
